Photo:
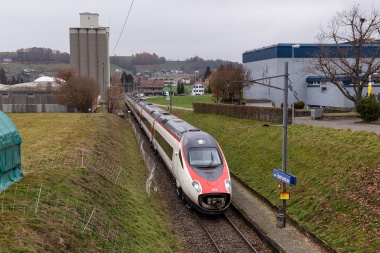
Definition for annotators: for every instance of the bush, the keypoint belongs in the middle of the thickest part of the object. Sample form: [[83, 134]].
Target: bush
[[299, 105], [368, 108]]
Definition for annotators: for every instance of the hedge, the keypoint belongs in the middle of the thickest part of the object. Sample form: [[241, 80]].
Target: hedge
[[269, 114]]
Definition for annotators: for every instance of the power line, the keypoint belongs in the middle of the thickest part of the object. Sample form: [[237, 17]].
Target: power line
[[130, 8]]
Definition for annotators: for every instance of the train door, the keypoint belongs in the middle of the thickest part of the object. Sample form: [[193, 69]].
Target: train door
[[177, 163], [153, 140]]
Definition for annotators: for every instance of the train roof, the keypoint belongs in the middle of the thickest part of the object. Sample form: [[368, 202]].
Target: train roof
[[176, 125]]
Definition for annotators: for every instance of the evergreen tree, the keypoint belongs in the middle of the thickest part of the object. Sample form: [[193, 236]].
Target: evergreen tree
[[207, 73], [129, 78], [180, 88], [3, 76], [123, 78], [13, 80]]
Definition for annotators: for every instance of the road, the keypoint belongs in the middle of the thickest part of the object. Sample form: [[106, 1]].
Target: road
[[355, 124]]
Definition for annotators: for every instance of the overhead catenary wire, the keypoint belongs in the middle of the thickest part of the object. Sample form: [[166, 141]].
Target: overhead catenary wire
[[126, 19]]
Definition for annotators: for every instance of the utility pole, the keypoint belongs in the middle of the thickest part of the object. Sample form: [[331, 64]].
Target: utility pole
[[281, 216], [281, 175], [170, 97], [104, 94]]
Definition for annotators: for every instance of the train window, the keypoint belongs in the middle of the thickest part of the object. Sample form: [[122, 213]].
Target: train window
[[164, 144], [180, 158], [204, 157]]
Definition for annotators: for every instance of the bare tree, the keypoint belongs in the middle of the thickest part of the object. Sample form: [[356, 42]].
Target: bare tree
[[115, 95], [217, 83], [353, 52], [227, 82], [78, 92], [63, 75]]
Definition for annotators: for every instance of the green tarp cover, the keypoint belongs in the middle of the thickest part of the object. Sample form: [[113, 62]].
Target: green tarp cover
[[10, 153]]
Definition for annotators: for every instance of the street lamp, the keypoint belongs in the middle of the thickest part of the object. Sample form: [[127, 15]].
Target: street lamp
[[293, 84], [170, 97]]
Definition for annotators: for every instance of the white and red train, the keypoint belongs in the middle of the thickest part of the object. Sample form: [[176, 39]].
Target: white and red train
[[194, 158]]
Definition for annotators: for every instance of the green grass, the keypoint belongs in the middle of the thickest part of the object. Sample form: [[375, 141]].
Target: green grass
[[336, 196], [181, 101], [188, 88], [126, 219], [337, 193]]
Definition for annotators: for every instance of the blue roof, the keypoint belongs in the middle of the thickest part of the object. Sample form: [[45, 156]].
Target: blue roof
[[284, 50]]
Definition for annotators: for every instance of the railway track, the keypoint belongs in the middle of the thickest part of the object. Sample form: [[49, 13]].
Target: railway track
[[188, 225], [227, 235]]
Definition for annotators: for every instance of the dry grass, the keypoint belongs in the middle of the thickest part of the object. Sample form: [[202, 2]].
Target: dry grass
[[109, 181]]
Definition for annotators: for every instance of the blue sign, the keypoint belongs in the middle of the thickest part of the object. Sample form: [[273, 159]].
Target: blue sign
[[286, 178]]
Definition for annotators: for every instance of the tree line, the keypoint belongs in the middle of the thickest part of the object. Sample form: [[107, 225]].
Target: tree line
[[47, 55], [37, 54], [188, 66]]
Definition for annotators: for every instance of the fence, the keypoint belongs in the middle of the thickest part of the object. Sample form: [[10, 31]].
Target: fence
[[66, 210], [269, 114]]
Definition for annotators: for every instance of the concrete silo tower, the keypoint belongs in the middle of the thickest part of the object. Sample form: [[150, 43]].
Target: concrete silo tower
[[89, 50]]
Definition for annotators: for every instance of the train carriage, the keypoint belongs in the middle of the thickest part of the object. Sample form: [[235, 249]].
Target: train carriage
[[194, 158]]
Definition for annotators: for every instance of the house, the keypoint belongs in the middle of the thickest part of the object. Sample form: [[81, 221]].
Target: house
[[150, 87], [7, 60], [185, 80], [315, 91], [198, 89]]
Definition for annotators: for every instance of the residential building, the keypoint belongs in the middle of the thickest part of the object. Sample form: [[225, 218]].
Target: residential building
[[172, 78], [198, 89], [315, 91], [89, 50], [151, 87], [7, 60]]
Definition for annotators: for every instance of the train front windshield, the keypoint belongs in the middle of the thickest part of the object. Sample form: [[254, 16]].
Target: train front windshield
[[204, 157]]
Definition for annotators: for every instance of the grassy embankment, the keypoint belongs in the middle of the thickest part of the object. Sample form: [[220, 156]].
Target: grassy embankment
[[337, 196], [105, 190]]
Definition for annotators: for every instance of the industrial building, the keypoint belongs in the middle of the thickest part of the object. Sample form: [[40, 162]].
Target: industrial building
[[34, 97], [314, 90], [89, 50]]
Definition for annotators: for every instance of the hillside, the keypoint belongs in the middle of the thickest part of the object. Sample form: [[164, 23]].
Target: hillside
[[85, 183], [84, 189], [28, 64]]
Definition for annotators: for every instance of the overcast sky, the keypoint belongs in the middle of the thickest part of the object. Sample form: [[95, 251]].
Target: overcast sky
[[175, 29]]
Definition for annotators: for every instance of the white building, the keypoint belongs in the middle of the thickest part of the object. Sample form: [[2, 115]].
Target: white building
[[198, 89], [313, 90]]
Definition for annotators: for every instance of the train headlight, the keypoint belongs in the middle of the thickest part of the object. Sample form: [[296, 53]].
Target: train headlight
[[227, 183], [197, 186]]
